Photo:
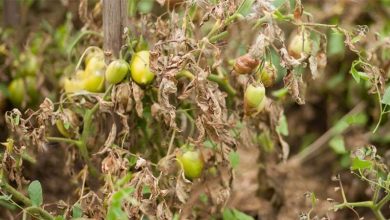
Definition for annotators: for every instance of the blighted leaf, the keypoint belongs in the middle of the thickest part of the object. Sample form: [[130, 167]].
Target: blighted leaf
[[360, 164], [337, 144], [234, 159], [295, 86], [386, 97], [35, 193]]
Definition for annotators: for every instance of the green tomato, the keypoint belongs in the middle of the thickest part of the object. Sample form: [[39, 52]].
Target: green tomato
[[191, 162], [140, 69], [300, 43], [254, 95], [16, 91], [94, 82], [117, 71], [28, 64]]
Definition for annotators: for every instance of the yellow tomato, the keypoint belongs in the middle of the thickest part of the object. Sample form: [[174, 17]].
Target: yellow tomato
[[94, 82], [140, 69], [73, 85]]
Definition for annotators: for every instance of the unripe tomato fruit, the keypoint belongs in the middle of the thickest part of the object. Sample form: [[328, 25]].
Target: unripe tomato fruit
[[254, 95], [117, 71], [139, 67], [94, 82], [192, 163], [16, 91], [300, 43]]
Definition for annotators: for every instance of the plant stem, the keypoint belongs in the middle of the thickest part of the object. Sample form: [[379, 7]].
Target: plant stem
[[37, 210], [15, 193], [87, 130], [223, 83], [65, 140], [383, 201]]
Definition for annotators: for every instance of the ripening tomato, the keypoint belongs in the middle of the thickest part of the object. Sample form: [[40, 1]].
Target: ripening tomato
[[191, 162], [140, 69], [117, 71], [94, 82], [300, 43], [73, 85], [16, 91]]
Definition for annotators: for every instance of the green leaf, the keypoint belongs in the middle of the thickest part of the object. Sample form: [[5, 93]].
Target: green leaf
[[386, 97], [266, 142], [336, 45], [278, 3], [234, 159], [282, 127], [360, 164], [115, 211], [145, 6], [337, 144], [245, 7], [233, 214], [77, 212], [35, 193]]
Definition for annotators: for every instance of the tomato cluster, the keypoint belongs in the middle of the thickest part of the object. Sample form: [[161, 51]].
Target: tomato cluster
[[96, 72], [23, 88]]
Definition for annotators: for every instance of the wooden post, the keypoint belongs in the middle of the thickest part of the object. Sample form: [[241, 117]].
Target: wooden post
[[11, 13], [114, 20]]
